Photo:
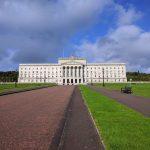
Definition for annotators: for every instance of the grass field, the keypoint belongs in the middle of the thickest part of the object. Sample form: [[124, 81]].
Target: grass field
[[11, 87], [121, 128], [139, 89]]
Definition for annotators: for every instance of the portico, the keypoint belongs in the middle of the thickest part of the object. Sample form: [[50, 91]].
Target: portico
[[73, 74]]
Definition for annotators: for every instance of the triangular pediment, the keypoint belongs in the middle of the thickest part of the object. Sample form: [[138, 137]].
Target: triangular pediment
[[72, 62]]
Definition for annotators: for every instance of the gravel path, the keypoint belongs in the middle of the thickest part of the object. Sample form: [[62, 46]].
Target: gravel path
[[80, 132], [137, 103], [29, 120]]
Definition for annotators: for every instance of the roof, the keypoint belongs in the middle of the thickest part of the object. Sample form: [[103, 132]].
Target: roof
[[106, 64], [70, 58]]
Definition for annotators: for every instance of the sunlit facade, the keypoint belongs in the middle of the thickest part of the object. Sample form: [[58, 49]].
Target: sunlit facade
[[72, 71]]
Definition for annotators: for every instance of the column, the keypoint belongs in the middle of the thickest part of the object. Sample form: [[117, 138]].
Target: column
[[81, 73], [75, 71], [78, 72], [65, 75], [73, 75], [69, 71], [77, 75], [63, 72]]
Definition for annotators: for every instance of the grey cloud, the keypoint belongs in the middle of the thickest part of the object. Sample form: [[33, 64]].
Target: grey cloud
[[36, 30]]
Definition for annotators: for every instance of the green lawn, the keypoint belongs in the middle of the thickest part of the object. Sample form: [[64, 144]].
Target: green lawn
[[12, 87], [121, 128], [139, 89]]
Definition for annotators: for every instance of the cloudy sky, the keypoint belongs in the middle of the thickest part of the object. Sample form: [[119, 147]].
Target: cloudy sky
[[37, 31]]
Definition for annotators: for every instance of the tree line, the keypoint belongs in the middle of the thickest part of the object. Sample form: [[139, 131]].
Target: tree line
[[9, 76], [12, 76], [137, 76]]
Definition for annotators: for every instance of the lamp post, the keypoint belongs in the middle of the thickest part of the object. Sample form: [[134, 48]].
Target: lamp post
[[91, 77], [130, 82], [16, 78], [103, 77], [44, 79]]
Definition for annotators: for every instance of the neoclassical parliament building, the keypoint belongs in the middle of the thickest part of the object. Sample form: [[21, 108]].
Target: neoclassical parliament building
[[72, 70]]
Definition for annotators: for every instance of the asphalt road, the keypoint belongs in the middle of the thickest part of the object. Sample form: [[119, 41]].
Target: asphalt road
[[80, 132]]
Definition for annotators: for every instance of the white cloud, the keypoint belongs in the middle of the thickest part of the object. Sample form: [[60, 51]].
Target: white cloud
[[128, 43], [36, 29], [127, 16]]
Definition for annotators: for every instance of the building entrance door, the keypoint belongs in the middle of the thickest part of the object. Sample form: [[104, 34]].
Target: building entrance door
[[79, 80], [68, 81], [75, 80], [63, 81]]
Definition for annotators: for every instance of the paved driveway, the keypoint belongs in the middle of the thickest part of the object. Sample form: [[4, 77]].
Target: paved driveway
[[80, 132], [29, 120], [137, 103]]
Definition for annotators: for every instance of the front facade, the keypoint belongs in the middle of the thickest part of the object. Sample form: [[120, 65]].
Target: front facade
[[71, 71]]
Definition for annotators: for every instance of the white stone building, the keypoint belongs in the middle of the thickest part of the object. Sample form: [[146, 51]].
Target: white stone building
[[72, 70]]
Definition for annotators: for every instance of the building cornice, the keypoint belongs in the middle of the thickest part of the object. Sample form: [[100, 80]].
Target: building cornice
[[40, 64], [94, 64]]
